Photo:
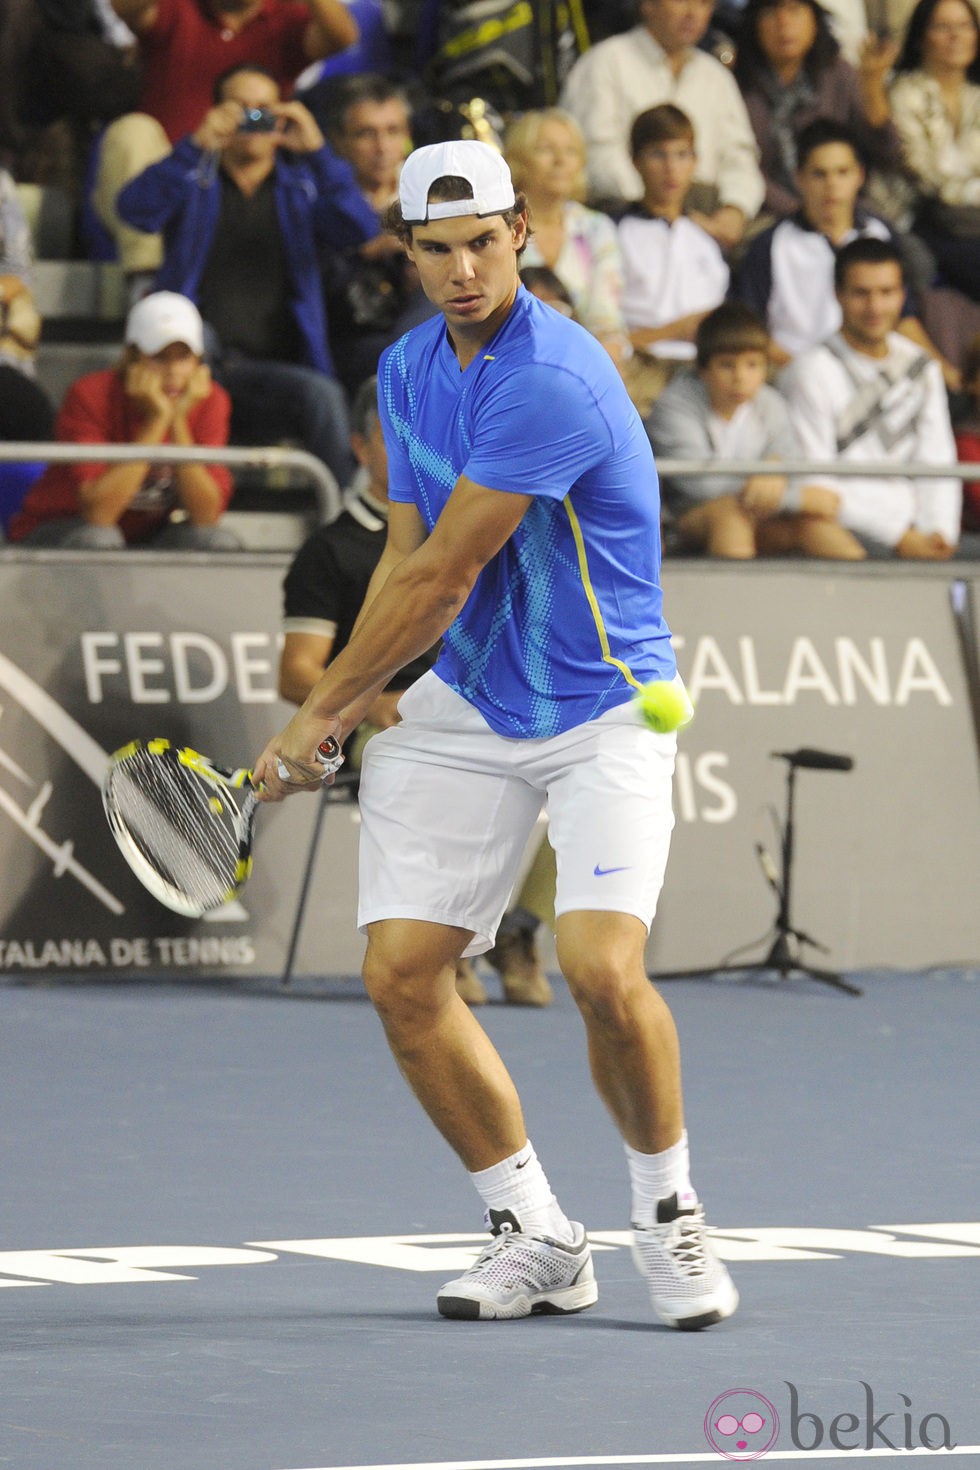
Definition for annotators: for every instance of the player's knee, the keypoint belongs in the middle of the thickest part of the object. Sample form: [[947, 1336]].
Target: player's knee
[[604, 987], [405, 996]]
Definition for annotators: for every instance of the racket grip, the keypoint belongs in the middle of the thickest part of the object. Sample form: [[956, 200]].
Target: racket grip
[[330, 756]]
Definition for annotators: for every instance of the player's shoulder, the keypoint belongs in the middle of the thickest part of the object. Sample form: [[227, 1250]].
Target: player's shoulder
[[408, 350], [538, 336]]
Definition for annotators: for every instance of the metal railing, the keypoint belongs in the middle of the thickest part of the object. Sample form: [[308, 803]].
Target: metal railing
[[679, 468], [327, 491], [269, 457]]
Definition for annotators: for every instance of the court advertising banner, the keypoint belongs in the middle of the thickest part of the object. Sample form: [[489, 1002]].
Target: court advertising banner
[[865, 662]]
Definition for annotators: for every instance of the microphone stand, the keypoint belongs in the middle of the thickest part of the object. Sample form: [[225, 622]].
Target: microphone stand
[[783, 957]]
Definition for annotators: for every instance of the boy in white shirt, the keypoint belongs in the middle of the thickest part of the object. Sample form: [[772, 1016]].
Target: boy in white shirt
[[727, 412], [787, 272], [673, 271]]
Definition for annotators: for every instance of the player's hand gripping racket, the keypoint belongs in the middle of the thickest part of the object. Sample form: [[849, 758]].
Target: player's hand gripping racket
[[183, 824]]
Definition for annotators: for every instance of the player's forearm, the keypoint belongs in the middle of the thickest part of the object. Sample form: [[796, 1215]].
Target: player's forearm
[[386, 638]]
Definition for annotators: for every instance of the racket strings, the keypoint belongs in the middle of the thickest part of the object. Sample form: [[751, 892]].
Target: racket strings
[[184, 827]]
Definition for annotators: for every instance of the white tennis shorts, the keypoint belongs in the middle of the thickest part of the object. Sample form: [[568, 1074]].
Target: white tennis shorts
[[447, 807]]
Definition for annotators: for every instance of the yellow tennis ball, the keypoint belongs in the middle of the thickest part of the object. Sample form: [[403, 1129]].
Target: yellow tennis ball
[[664, 705]]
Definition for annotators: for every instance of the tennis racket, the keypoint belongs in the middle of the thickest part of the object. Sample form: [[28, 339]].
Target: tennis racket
[[183, 824]]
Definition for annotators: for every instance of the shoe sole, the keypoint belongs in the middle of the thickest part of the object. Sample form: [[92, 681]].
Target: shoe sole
[[698, 1320], [556, 1304]]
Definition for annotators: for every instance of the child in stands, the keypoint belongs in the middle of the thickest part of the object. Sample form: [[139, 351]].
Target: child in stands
[[726, 411]]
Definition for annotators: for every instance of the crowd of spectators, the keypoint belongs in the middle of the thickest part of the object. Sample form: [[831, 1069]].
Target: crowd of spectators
[[762, 190]]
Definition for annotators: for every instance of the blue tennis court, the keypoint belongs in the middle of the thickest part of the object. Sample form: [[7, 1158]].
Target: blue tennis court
[[225, 1222]]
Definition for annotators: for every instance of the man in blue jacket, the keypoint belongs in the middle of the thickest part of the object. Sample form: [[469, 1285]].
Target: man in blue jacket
[[243, 204]]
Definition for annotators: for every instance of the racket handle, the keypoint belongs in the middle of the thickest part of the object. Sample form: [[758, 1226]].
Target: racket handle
[[330, 756]]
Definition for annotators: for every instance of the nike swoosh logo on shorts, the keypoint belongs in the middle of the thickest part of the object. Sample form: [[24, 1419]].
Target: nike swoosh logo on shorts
[[604, 872]]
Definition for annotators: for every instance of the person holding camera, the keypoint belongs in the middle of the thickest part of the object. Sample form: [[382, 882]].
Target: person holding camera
[[245, 203], [182, 47]]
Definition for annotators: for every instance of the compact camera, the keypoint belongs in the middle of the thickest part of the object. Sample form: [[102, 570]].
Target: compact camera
[[258, 120]]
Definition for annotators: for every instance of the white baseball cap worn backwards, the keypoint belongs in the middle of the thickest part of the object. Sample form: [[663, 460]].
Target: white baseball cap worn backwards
[[481, 166], [162, 318]]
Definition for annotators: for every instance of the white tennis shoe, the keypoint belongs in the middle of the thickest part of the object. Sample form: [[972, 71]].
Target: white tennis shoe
[[689, 1286], [518, 1275]]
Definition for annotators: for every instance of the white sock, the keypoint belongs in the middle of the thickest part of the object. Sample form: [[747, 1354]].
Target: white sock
[[654, 1177], [519, 1184]]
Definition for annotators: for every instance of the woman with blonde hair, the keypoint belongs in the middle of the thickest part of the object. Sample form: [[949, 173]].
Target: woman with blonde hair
[[546, 153]]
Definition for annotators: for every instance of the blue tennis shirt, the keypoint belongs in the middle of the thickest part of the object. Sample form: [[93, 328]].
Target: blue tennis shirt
[[566, 621]]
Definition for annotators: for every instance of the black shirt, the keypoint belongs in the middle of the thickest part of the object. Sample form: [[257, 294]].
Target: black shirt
[[245, 288], [329, 578]]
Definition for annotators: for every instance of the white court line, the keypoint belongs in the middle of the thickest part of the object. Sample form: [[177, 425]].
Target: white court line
[[815, 1457]]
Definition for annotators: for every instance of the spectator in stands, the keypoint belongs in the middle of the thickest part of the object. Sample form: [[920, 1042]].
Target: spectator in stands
[[659, 61], [373, 292], [791, 71], [891, 18], [185, 45], [16, 245], [935, 102], [674, 272], [850, 26], [787, 274], [161, 393], [371, 52], [327, 581], [17, 23], [727, 411], [367, 120], [84, 62], [968, 437], [324, 590], [543, 283], [243, 213], [546, 153], [26, 412], [869, 394]]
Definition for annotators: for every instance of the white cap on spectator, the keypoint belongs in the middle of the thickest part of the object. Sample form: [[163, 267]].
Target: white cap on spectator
[[481, 166], [163, 318]]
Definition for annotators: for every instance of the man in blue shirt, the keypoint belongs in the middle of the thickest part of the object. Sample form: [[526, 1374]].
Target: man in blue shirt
[[245, 205], [523, 529]]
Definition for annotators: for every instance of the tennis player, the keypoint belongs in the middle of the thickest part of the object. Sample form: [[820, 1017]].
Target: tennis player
[[524, 529]]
